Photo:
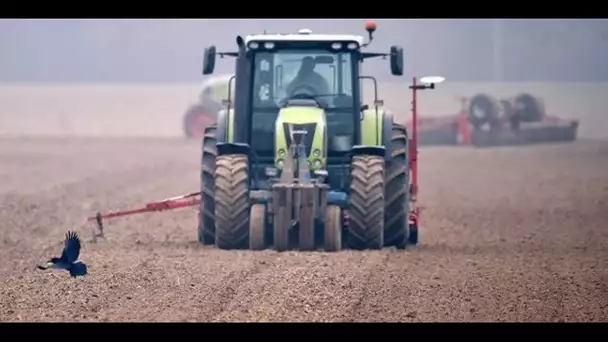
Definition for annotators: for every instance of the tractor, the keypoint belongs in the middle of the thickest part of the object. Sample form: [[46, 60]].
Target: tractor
[[296, 159], [288, 165], [212, 92]]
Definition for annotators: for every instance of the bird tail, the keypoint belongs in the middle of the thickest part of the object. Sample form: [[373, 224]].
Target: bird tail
[[78, 269]]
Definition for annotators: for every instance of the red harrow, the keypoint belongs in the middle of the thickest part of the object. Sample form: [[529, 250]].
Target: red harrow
[[177, 202], [485, 121]]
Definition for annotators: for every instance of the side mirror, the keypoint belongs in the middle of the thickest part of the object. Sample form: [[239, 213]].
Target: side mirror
[[396, 60], [209, 60], [364, 107]]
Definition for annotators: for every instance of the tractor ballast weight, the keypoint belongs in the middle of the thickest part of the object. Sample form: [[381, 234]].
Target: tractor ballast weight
[[303, 170]]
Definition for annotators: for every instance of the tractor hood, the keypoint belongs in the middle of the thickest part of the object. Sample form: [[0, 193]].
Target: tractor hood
[[301, 124]]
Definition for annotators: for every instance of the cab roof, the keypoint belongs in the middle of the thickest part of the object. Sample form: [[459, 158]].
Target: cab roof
[[305, 35]]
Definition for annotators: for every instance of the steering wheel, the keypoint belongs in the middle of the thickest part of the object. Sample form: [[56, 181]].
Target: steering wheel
[[303, 92]]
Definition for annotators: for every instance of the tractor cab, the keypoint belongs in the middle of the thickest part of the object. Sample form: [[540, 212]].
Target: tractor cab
[[301, 86], [301, 76]]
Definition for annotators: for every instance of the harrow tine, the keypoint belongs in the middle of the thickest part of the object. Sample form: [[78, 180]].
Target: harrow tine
[[99, 232]]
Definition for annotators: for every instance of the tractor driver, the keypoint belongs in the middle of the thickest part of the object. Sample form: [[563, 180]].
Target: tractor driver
[[308, 79]]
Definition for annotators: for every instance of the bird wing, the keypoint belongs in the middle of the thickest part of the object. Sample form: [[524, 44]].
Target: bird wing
[[71, 248]]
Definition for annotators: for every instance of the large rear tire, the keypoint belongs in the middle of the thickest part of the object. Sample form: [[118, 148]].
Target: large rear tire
[[397, 191], [206, 222], [366, 203], [232, 205]]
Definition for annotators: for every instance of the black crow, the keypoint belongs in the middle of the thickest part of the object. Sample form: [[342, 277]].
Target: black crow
[[69, 256]]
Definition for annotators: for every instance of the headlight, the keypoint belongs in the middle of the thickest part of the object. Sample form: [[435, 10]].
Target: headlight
[[254, 45], [281, 153], [269, 45], [352, 46], [280, 163], [316, 153], [336, 46], [271, 172], [317, 164]]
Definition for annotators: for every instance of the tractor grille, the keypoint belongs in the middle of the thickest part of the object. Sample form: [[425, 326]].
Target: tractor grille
[[299, 138]]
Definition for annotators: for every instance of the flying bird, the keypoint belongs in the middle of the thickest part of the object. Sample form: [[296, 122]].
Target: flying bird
[[69, 256]]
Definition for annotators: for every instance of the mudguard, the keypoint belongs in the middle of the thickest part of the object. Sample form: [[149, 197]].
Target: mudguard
[[378, 151], [232, 148], [380, 135]]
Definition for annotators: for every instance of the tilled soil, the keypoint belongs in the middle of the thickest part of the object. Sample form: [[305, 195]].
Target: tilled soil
[[508, 234]]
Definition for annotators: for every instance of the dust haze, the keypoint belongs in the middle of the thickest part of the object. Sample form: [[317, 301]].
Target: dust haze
[[137, 77], [91, 119], [157, 51]]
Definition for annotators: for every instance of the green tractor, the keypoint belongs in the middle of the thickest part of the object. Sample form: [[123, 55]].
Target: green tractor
[[296, 160], [204, 111]]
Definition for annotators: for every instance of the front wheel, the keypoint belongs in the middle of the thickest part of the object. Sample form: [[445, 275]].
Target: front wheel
[[333, 228], [257, 227]]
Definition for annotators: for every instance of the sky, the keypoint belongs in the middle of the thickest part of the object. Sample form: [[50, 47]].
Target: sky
[[170, 50]]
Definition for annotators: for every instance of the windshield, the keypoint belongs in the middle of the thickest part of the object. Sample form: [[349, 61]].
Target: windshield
[[283, 74]]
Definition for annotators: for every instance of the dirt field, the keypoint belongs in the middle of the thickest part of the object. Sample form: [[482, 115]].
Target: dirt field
[[509, 234]]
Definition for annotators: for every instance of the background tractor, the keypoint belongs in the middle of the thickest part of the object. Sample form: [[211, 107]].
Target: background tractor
[[212, 92], [287, 165]]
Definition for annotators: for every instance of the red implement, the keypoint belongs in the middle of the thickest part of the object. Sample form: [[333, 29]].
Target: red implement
[[183, 201], [414, 216]]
